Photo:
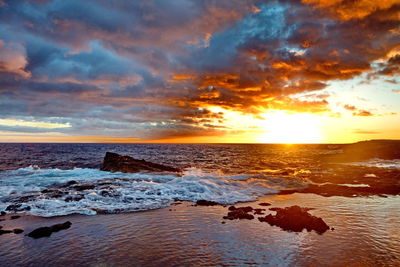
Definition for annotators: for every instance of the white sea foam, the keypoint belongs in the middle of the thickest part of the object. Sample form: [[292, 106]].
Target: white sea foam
[[378, 163], [129, 191]]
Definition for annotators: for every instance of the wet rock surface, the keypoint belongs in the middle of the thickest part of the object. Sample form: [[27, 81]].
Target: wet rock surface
[[18, 231], [2, 232], [295, 219], [47, 231], [17, 207], [203, 202], [328, 190], [117, 163], [239, 213]]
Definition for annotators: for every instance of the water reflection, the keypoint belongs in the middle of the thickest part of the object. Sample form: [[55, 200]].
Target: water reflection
[[366, 234]]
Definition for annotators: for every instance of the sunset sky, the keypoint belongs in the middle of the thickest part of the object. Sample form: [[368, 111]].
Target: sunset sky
[[247, 71]]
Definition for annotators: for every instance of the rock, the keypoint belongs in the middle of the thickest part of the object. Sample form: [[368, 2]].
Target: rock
[[18, 231], [116, 163], [203, 202], [15, 217], [295, 219], [17, 208], [2, 232], [274, 209], [73, 198], [265, 204], [239, 213], [47, 231], [383, 149], [3, 213], [84, 187], [259, 211], [328, 190]]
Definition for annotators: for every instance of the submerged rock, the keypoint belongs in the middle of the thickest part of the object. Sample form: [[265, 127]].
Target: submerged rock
[[47, 231], [239, 213], [295, 219], [265, 204], [15, 217], [116, 163]]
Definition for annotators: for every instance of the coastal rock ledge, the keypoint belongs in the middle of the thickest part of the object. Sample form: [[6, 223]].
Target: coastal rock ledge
[[295, 219], [114, 162]]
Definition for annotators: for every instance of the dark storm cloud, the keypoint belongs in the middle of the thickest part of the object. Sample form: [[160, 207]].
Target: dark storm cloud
[[152, 68]]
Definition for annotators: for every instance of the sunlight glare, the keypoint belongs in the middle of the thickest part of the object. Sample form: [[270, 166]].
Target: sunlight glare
[[282, 127]]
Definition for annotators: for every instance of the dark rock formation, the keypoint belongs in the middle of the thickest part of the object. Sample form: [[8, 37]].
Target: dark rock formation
[[2, 232], [383, 149], [17, 208], [117, 163], [15, 217], [203, 202], [328, 190], [259, 211], [73, 198], [239, 213], [295, 219], [47, 231], [264, 204], [18, 231], [83, 187], [3, 213]]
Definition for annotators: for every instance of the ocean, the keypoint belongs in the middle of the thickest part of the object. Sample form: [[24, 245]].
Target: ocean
[[130, 210]]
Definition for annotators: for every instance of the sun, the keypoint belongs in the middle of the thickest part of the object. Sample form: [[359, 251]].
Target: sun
[[285, 128]]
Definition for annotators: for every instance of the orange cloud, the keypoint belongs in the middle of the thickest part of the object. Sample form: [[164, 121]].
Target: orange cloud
[[352, 9]]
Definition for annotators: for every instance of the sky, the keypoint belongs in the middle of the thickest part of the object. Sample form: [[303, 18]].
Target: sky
[[191, 71]]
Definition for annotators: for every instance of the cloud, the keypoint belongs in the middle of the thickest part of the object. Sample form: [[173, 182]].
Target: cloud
[[157, 68], [363, 113], [13, 59], [350, 107], [359, 131]]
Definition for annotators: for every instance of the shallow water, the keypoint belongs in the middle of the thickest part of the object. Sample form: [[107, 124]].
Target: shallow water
[[366, 234]]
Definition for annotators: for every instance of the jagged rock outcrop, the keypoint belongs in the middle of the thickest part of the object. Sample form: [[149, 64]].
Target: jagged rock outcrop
[[114, 162]]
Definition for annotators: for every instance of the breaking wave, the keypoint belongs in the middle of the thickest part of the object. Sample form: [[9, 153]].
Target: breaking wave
[[55, 192], [378, 163]]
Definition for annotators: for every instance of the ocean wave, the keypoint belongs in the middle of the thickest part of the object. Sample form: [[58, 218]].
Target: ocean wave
[[378, 163], [55, 192]]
